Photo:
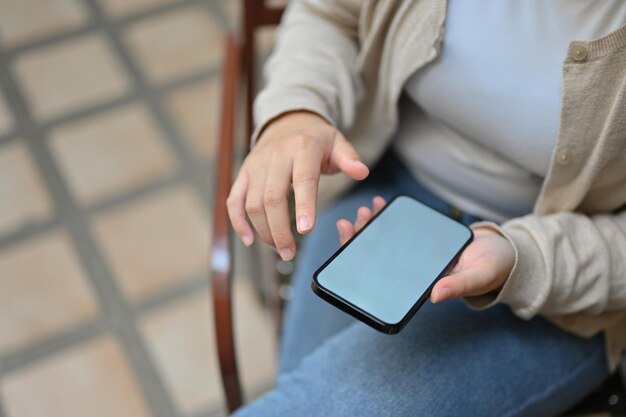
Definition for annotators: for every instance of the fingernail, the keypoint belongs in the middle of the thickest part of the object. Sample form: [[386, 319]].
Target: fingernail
[[286, 254], [247, 240], [304, 224]]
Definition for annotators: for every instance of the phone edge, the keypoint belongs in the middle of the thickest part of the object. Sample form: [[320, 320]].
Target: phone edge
[[375, 323]]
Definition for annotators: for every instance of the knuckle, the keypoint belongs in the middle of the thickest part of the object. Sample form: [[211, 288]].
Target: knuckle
[[461, 290], [302, 140], [272, 155], [232, 202], [254, 207], [273, 197], [282, 236], [305, 178], [282, 240], [452, 293]]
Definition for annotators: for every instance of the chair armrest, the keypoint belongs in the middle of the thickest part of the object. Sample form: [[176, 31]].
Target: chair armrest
[[221, 253]]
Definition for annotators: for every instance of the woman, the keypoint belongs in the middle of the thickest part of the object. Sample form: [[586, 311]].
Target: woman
[[505, 123]]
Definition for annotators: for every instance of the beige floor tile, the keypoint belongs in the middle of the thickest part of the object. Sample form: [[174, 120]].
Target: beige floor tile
[[233, 10], [92, 380], [6, 118], [23, 21], [70, 76], [44, 291], [155, 242], [23, 197], [175, 44], [110, 153], [181, 340], [123, 8], [196, 111]]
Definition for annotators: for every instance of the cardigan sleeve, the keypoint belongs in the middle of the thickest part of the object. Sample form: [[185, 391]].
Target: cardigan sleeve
[[313, 65], [568, 266]]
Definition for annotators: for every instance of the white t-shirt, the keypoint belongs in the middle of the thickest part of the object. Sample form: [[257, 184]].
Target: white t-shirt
[[483, 118]]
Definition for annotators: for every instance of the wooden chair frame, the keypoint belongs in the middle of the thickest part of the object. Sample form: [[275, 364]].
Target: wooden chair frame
[[239, 67]]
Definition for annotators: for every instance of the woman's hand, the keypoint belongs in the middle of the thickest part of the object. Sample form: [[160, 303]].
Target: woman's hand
[[482, 268], [296, 148]]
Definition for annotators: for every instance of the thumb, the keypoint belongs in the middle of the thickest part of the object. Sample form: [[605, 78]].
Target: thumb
[[345, 158], [466, 282]]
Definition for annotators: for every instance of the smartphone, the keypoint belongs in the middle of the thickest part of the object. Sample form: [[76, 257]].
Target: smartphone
[[384, 274]]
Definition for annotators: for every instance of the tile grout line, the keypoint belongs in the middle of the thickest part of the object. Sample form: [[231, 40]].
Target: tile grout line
[[77, 222], [2, 409], [24, 233], [172, 135], [9, 137], [173, 138], [63, 340], [87, 29], [160, 184], [76, 335], [214, 7], [112, 305], [106, 105], [128, 98], [92, 26]]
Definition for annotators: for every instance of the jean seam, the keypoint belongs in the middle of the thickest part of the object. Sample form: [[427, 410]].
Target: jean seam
[[552, 388]]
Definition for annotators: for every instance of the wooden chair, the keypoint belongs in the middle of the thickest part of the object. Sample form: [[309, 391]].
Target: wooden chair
[[239, 70]]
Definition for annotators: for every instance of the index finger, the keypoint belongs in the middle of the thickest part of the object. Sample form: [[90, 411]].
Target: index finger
[[306, 178]]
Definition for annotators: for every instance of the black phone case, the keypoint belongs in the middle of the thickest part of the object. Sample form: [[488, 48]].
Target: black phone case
[[365, 317]]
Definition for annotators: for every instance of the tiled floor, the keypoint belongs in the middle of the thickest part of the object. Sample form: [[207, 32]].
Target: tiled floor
[[108, 112]]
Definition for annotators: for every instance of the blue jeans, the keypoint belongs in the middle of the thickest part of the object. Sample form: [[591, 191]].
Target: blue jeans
[[448, 361]]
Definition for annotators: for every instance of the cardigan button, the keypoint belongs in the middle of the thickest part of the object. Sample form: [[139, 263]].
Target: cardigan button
[[578, 53], [563, 158]]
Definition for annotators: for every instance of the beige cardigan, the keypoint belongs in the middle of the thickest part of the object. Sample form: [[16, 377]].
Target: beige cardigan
[[348, 60]]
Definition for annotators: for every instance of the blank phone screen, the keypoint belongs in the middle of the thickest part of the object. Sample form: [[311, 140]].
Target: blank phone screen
[[387, 268]]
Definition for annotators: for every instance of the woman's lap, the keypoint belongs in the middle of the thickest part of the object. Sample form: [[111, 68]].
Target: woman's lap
[[449, 360]]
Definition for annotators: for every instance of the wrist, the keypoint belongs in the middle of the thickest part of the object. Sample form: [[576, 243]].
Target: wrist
[[289, 121]]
